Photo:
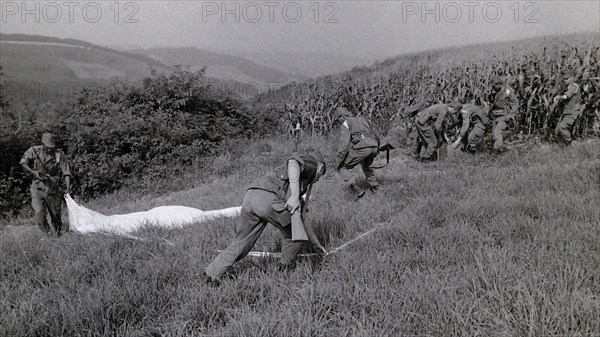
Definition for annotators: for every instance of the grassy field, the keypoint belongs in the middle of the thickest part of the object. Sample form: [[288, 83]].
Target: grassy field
[[472, 246]]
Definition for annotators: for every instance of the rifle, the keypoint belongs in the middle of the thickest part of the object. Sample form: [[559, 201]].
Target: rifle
[[298, 231], [385, 147]]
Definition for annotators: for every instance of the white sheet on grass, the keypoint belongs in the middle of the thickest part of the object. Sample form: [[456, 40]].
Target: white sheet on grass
[[86, 221]]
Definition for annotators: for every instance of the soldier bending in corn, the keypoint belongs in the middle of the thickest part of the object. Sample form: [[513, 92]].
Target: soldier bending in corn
[[473, 120], [505, 107], [430, 126]]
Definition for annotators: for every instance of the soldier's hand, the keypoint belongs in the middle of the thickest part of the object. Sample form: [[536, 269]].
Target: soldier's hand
[[456, 143], [292, 204]]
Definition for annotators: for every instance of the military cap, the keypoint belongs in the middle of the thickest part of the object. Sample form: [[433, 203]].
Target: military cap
[[496, 79], [568, 73], [429, 98], [341, 111], [456, 106], [48, 140]]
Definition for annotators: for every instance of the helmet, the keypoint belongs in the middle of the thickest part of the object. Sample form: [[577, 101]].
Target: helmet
[[48, 140], [496, 80], [341, 111]]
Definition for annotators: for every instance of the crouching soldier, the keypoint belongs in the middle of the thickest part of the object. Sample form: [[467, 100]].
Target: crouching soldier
[[45, 162], [473, 120], [505, 107], [275, 199], [358, 144], [430, 126], [572, 109]]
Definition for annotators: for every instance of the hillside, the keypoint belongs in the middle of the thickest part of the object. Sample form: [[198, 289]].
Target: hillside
[[531, 67], [223, 66]]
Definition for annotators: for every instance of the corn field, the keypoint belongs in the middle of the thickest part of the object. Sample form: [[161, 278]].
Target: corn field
[[532, 68]]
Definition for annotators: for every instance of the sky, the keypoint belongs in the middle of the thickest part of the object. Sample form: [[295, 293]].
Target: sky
[[366, 29]]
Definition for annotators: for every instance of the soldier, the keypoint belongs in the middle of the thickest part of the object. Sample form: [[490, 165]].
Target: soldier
[[430, 125], [45, 162], [473, 120], [412, 111], [572, 109], [273, 198], [359, 144], [505, 107]]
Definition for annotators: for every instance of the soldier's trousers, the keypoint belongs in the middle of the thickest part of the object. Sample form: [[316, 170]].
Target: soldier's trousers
[[428, 139], [565, 124], [418, 144], [365, 158], [258, 208], [475, 137], [44, 205], [498, 131]]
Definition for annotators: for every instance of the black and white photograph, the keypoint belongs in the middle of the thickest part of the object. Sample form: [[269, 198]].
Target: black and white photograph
[[174, 168]]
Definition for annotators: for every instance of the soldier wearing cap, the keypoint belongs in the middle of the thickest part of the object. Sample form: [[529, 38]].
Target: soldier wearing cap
[[412, 111], [505, 107], [572, 108], [45, 162], [274, 198], [473, 120], [430, 126], [358, 144]]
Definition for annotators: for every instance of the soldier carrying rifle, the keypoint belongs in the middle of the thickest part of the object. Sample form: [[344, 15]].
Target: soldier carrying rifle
[[45, 162]]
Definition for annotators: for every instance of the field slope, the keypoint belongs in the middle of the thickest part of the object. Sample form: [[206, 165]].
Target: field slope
[[473, 246]]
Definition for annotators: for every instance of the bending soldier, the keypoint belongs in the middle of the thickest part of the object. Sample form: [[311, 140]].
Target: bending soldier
[[275, 199], [412, 111], [473, 120], [358, 144], [45, 162], [430, 126], [572, 109]]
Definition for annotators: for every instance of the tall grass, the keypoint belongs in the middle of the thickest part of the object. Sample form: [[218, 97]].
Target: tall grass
[[473, 246]]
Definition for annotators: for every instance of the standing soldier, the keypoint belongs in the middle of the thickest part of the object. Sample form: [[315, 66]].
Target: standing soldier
[[412, 111], [430, 126], [473, 120], [505, 107], [572, 110], [45, 162], [359, 144], [274, 198]]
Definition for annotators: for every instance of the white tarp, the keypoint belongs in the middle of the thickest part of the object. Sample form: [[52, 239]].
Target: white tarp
[[85, 221]]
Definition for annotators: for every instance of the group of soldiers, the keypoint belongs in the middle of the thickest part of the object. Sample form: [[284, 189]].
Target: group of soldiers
[[280, 197], [432, 121]]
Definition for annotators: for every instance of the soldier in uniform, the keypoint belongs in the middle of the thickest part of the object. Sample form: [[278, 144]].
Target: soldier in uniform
[[430, 126], [358, 144], [412, 111], [274, 198], [572, 108], [45, 162], [473, 120], [505, 107]]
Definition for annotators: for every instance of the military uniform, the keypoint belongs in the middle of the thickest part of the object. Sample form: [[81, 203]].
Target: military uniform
[[573, 108], [45, 193], [265, 202], [359, 144], [473, 121], [413, 111], [504, 108], [429, 124]]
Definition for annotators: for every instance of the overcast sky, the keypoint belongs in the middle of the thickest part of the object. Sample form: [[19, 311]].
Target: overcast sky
[[373, 29]]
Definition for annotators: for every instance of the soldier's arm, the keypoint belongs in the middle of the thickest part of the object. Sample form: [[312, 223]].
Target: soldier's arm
[[344, 143], [440, 120], [466, 121], [513, 102], [65, 167], [293, 202], [26, 162]]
